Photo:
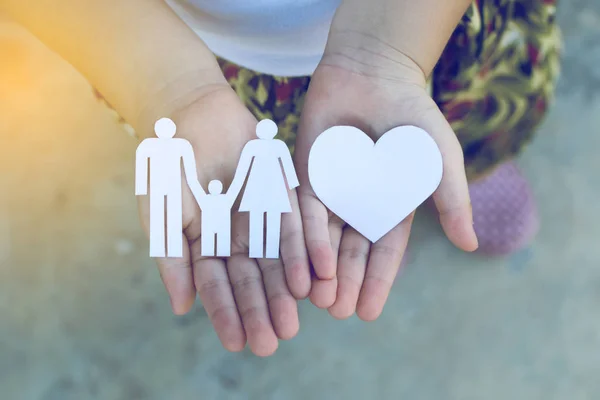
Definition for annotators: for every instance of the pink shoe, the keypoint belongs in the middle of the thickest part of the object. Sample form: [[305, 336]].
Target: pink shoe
[[504, 211]]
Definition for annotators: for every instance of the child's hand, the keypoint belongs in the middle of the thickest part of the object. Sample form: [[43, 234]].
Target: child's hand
[[196, 189], [351, 273], [244, 299]]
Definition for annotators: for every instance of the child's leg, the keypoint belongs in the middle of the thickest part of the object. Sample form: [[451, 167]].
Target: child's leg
[[224, 243], [207, 243], [494, 83]]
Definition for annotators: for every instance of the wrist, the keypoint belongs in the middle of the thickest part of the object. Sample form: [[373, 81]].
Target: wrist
[[211, 118], [367, 55], [172, 98], [418, 30]]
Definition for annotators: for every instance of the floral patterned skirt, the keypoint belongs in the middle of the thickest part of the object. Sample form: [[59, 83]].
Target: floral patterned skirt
[[493, 83]]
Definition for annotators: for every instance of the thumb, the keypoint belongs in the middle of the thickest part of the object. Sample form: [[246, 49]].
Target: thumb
[[452, 198]]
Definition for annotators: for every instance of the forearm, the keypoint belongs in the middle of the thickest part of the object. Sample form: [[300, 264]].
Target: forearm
[[142, 58], [391, 29]]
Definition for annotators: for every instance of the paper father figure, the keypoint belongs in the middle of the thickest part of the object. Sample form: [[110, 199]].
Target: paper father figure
[[165, 154]]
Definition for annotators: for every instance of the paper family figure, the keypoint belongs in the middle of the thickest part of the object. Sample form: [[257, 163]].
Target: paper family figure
[[266, 193], [165, 154], [268, 166], [216, 217]]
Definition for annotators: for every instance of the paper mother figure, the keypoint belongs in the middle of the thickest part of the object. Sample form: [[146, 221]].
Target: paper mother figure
[[266, 194]]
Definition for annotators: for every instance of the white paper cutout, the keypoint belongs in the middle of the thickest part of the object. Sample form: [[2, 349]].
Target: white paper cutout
[[216, 217], [165, 154], [267, 163], [374, 186]]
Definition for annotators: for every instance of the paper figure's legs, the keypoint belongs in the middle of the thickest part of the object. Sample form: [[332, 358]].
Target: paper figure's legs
[[257, 239], [273, 234], [207, 243], [224, 243], [174, 225], [157, 225]]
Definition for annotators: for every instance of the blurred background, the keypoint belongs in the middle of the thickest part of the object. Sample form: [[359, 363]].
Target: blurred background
[[83, 314]]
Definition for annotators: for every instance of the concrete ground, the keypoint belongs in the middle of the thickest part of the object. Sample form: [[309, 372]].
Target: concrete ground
[[83, 314]]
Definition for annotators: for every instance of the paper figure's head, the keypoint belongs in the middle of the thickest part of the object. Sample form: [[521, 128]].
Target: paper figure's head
[[266, 129], [165, 128], [215, 187]]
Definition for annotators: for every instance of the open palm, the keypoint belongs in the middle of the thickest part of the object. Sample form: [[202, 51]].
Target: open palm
[[247, 300], [351, 273]]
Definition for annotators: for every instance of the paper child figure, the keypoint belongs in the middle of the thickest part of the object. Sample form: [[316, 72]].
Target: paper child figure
[[216, 216], [266, 190], [165, 154]]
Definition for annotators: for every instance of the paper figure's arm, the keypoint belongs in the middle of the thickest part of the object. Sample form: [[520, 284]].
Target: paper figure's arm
[[288, 165], [190, 171], [241, 173], [133, 33], [142, 156]]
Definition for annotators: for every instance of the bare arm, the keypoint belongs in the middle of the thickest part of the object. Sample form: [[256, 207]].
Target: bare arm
[[141, 169], [143, 59], [288, 166], [383, 33]]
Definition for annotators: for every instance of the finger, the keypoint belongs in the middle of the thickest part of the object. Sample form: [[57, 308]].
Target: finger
[[316, 233], [336, 230], [282, 305], [452, 196], [175, 272], [453, 203], [293, 251], [352, 264], [249, 294], [314, 213], [177, 276], [216, 295], [384, 263], [323, 292]]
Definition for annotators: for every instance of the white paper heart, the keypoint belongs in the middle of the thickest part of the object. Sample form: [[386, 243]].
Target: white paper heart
[[374, 186]]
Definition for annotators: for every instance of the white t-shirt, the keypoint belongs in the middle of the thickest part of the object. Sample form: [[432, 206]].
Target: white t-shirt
[[275, 37]]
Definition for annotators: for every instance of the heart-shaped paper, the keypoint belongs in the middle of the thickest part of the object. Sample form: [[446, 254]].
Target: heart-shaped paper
[[374, 186]]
